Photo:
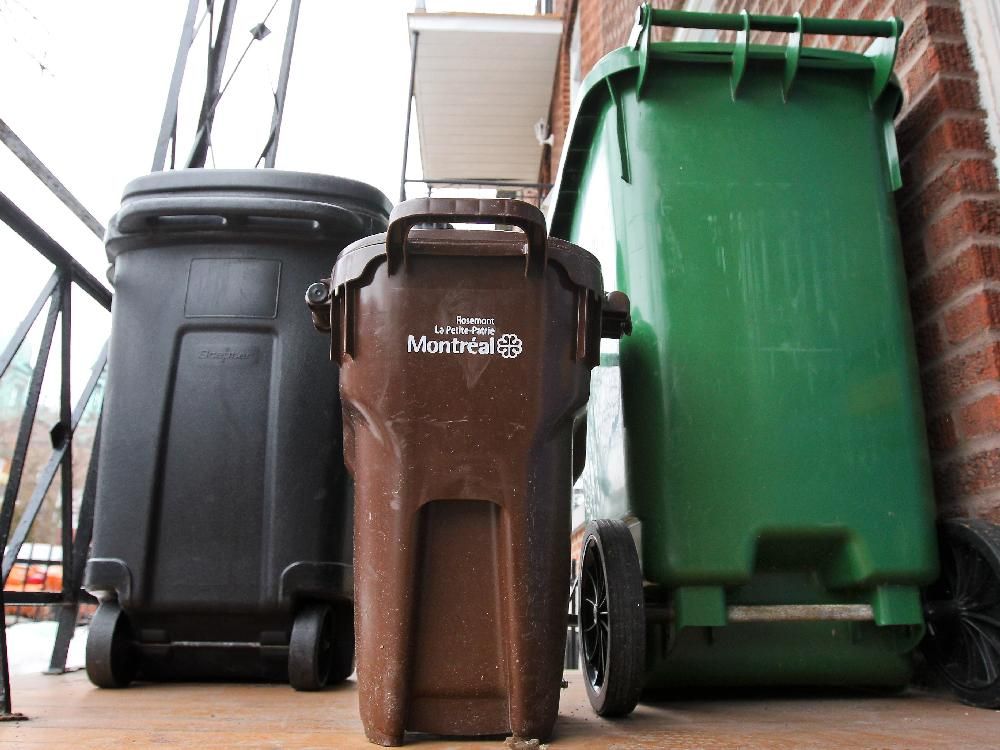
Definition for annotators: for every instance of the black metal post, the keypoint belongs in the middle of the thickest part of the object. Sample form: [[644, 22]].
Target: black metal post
[[279, 96], [73, 566], [35, 236], [414, 41], [62, 434], [6, 707], [29, 320], [48, 473], [14, 484], [57, 294], [27, 420], [213, 85], [27, 423], [62, 438], [20, 149], [168, 127]]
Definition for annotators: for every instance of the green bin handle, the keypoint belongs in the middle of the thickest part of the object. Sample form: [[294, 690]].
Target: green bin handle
[[466, 210], [883, 55]]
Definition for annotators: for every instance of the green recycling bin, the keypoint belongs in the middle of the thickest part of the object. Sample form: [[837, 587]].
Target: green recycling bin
[[777, 484]]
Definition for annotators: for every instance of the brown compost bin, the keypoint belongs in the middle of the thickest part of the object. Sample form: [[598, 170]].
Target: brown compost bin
[[464, 373]]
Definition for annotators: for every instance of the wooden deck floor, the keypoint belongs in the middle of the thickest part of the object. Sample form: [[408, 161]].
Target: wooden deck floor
[[67, 712]]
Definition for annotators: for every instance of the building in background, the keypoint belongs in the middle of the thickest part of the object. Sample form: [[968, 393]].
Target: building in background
[[949, 205], [480, 88], [14, 385]]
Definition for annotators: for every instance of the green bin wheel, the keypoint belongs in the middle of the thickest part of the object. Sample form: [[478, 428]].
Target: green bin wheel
[[311, 648], [612, 618], [342, 664], [110, 657], [962, 609]]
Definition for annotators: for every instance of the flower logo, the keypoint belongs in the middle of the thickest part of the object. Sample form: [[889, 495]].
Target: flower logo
[[509, 346]]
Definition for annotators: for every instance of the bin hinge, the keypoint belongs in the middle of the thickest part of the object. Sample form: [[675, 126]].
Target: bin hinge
[[318, 301], [616, 316], [639, 40], [741, 53], [793, 53], [883, 55]]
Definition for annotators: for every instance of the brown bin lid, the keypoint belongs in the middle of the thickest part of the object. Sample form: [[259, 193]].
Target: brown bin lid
[[582, 267]]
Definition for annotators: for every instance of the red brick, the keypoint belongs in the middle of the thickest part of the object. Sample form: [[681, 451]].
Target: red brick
[[945, 95], [945, 19], [981, 313], [936, 58], [925, 21], [975, 265], [950, 380], [969, 476], [869, 10], [967, 134], [941, 433], [824, 7], [909, 10], [962, 176], [972, 216], [981, 417], [953, 140], [915, 36]]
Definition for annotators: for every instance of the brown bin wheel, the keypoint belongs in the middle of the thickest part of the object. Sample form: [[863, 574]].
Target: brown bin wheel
[[962, 609], [311, 648], [343, 645], [612, 618], [110, 656]]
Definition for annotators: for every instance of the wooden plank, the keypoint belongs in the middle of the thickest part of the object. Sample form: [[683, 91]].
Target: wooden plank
[[67, 711]]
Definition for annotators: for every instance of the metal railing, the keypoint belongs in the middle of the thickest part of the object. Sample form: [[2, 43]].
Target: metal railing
[[37, 567], [55, 299], [532, 192], [219, 32]]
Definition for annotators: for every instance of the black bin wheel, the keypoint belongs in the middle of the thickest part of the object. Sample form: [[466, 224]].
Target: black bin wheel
[[311, 649], [342, 663], [110, 656], [962, 609], [612, 618]]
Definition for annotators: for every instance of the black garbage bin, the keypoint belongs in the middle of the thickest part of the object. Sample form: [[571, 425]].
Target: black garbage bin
[[222, 536]]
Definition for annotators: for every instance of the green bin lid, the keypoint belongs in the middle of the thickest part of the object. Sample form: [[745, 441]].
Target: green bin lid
[[596, 90]]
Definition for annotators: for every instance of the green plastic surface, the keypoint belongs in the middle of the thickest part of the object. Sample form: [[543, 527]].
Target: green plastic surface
[[774, 436]]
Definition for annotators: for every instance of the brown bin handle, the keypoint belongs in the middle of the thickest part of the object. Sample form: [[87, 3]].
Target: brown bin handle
[[471, 211]]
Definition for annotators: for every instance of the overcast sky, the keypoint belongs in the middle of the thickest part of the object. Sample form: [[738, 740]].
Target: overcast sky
[[84, 85]]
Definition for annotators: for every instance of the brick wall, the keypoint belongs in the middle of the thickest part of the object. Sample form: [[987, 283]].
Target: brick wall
[[949, 211], [604, 26], [559, 110]]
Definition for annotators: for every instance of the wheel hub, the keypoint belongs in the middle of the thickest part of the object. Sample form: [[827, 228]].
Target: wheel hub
[[962, 610]]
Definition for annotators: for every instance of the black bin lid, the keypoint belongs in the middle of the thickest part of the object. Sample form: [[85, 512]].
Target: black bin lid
[[165, 207]]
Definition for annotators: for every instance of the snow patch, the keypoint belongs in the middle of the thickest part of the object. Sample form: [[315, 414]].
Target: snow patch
[[29, 647]]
